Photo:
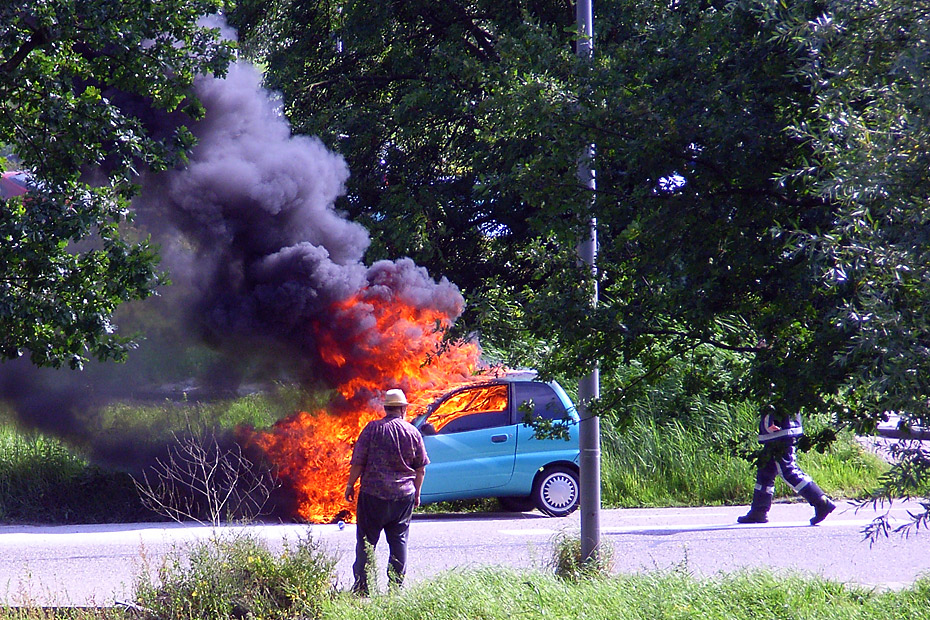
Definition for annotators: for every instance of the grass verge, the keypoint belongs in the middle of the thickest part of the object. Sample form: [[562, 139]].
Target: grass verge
[[43, 481], [226, 579], [498, 594], [651, 463]]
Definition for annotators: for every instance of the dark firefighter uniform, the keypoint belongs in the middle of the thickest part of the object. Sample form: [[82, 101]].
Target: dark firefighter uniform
[[779, 437]]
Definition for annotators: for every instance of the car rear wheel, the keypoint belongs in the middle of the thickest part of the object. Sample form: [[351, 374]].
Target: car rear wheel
[[517, 504], [556, 491]]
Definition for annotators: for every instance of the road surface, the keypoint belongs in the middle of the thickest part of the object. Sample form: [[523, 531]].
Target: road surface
[[95, 565]]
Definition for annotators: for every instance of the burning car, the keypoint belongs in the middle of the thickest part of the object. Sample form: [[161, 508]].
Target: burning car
[[480, 446]]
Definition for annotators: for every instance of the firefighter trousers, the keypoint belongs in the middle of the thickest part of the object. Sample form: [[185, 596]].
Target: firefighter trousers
[[780, 459]]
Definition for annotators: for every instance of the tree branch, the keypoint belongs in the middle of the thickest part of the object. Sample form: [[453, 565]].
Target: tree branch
[[40, 38]]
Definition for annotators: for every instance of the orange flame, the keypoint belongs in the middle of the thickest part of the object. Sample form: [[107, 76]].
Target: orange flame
[[370, 345]]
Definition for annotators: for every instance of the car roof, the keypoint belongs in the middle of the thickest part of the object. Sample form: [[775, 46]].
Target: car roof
[[505, 377], [508, 376]]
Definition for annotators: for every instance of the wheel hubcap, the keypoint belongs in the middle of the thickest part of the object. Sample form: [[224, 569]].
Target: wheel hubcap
[[560, 491]]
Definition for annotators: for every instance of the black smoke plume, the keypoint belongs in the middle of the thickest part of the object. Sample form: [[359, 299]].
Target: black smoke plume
[[258, 258]]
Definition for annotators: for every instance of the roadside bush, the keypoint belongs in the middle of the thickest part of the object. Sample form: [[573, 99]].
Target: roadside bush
[[238, 576]]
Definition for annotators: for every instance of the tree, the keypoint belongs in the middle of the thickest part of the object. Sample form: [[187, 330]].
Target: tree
[[761, 179], [462, 130], [409, 93], [79, 81], [871, 132]]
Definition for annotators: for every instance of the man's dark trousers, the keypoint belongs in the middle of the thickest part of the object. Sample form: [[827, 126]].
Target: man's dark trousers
[[393, 517]]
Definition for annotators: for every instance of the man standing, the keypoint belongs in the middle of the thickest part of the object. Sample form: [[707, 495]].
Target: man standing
[[391, 460], [778, 436]]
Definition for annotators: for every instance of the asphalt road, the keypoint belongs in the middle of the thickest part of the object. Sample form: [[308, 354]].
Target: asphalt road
[[96, 565]]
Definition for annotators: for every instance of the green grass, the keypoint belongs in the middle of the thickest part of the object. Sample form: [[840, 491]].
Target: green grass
[[43, 481], [499, 595], [160, 419], [494, 594], [652, 463], [239, 577], [655, 464]]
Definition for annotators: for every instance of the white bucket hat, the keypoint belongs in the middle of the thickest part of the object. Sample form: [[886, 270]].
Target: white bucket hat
[[395, 398]]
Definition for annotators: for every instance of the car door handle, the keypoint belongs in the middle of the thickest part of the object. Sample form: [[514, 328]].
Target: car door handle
[[499, 438]]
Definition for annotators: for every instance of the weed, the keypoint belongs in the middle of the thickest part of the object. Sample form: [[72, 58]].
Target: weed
[[567, 561]]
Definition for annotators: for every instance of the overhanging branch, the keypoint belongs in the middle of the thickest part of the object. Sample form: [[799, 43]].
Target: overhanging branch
[[40, 38]]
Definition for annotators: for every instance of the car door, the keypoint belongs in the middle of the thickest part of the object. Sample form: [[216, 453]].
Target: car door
[[548, 404], [474, 444]]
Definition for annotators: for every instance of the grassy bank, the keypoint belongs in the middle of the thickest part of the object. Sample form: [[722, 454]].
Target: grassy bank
[[240, 578], [493, 595], [43, 481], [501, 595], [653, 462], [648, 462], [46, 480]]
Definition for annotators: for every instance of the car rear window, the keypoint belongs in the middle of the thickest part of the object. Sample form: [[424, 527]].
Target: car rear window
[[546, 403]]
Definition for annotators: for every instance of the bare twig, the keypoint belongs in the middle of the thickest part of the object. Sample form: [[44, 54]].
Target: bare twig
[[201, 480]]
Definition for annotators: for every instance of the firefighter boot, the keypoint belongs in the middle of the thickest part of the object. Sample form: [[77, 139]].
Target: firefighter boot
[[759, 510], [822, 504]]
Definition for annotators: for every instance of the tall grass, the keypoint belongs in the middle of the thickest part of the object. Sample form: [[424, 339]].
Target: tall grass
[[161, 418], [649, 463], [660, 462], [43, 481], [500, 594]]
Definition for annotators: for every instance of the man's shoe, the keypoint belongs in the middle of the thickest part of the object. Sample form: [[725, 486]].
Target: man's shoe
[[753, 516], [821, 510]]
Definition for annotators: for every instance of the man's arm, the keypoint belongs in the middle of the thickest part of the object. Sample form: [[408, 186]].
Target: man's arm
[[355, 472], [418, 476]]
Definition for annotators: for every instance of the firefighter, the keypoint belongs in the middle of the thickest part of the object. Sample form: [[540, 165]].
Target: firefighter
[[779, 436]]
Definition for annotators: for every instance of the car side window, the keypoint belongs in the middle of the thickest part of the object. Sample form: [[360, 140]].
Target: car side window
[[472, 409], [546, 403]]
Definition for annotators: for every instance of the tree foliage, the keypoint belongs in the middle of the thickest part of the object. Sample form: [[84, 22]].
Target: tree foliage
[[78, 80], [761, 180], [411, 93]]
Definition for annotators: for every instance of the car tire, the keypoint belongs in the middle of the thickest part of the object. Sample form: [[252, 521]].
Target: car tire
[[556, 491], [517, 504]]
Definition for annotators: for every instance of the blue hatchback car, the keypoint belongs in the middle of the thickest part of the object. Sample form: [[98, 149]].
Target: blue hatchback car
[[479, 445]]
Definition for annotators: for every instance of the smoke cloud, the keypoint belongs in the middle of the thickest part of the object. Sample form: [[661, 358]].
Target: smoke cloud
[[260, 262]]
